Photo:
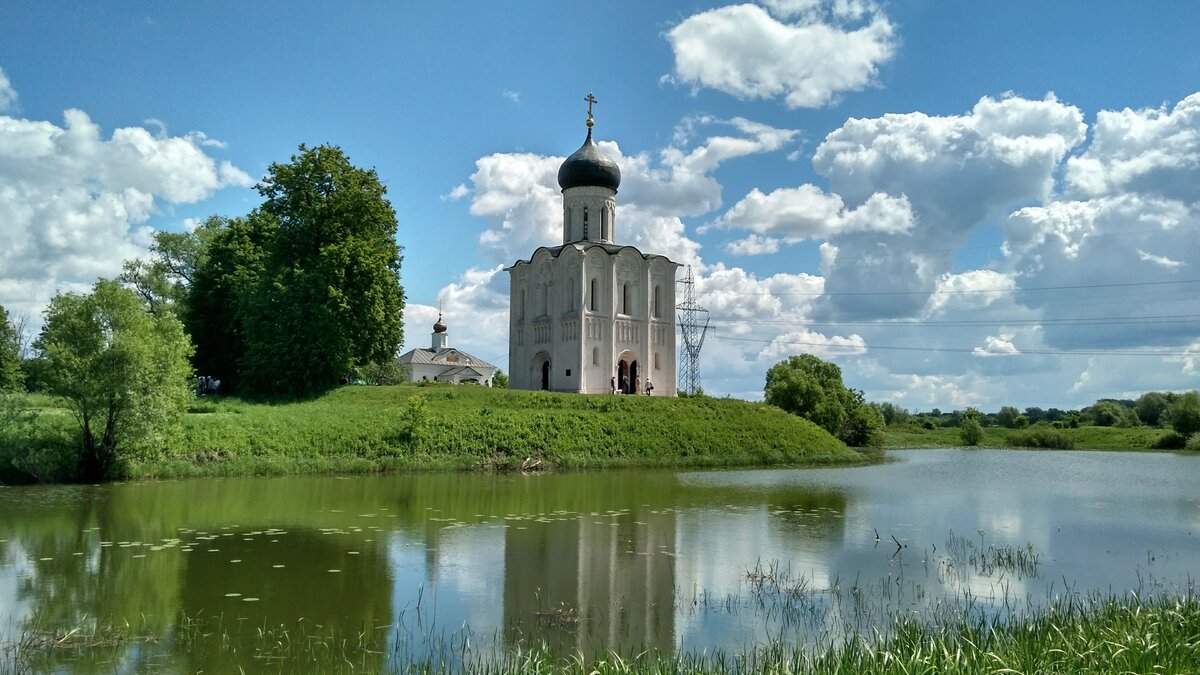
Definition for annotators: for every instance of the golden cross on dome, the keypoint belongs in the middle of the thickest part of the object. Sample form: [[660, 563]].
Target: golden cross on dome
[[591, 100]]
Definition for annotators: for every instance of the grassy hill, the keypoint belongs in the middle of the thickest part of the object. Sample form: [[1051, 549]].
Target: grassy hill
[[466, 427]]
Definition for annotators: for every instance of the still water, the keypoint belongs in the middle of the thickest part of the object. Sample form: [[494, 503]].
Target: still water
[[668, 560]]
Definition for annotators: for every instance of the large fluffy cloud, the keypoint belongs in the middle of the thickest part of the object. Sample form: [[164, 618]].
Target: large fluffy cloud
[[74, 205], [954, 171], [1152, 152], [808, 58], [518, 193]]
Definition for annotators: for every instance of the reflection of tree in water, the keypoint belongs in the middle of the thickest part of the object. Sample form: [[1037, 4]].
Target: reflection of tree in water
[[114, 556], [291, 582], [592, 583], [580, 581], [809, 514]]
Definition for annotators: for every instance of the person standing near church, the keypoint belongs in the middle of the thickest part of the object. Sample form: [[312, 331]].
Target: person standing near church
[[612, 385]]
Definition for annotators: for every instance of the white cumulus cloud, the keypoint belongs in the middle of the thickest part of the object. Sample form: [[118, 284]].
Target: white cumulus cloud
[[808, 59], [74, 205]]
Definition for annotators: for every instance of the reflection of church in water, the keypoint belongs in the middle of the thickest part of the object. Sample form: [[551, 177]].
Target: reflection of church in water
[[590, 313]]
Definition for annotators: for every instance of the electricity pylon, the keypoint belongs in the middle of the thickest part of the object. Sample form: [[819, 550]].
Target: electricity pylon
[[693, 326]]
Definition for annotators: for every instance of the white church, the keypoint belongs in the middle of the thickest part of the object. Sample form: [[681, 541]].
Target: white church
[[443, 363], [590, 315]]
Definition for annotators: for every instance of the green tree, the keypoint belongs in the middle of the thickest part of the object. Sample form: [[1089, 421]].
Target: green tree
[[123, 371], [1185, 413], [329, 299], [864, 424], [500, 379], [893, 414], [811, 388], [218, 296], [970, 429], [1110, 413], [164, 281], [1151, 406], [11, 377], [1007, 417]]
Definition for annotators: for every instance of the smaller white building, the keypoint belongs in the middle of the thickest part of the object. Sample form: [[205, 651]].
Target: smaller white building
[[443, 363]]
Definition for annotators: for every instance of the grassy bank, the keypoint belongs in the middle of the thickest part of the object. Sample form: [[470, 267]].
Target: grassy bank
[[364, 429], [1083, 438]]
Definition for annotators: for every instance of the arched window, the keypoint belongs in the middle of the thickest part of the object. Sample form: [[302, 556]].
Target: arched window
[[657, 362], [592, 296], [595, 356], [570, 299], [585, 222], [657, 302], [626, 300], [545, 289], [521, 307]]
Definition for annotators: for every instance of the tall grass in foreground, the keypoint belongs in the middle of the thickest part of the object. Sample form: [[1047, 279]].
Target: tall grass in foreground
[[1093, 635]]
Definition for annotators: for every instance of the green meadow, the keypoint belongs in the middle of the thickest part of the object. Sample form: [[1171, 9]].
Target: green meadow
[[357, 429]]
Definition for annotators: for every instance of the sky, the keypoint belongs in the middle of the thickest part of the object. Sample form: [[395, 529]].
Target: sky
[[961, 204]]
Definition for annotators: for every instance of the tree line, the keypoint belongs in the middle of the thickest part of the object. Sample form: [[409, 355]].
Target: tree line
[[812, 388], [286, 301]]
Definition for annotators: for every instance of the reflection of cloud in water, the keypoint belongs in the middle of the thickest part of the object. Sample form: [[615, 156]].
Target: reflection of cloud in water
[[16, 566], [470, 575]]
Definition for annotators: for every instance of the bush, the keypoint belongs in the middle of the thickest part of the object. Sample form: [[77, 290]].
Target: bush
[[863, 427], [971, 431], [1193, 443], [1042, 436], [1172, 440], [1185, 413]]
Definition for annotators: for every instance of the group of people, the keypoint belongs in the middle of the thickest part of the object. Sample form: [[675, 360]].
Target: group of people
[[637, 386], [208, 386]]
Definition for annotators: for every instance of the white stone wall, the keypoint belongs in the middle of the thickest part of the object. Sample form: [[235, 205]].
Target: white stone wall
[[583, 310], [599, 204]]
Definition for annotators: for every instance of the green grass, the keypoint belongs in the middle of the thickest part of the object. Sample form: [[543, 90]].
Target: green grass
[[441, 427], [1083, 438]]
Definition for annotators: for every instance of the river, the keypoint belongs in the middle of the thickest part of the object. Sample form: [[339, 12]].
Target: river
[[651, 559]]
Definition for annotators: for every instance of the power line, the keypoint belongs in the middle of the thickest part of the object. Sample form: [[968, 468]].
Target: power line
[[1077, 321], [959, 292], [960, 350]]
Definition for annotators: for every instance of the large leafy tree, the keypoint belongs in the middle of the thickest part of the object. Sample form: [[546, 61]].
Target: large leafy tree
[[807, 386], [329, 298], [1151, 406], [220, 285], [164, 281], [10, 354], [123, 371]]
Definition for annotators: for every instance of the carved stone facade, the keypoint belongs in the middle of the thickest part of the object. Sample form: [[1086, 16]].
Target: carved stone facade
[[591, 314]]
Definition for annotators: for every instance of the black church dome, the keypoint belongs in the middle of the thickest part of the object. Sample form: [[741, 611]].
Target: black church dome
[[589, 167]]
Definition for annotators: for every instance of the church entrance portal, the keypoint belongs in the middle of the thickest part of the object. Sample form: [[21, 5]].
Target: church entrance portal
[[539, 375], [628, 378]]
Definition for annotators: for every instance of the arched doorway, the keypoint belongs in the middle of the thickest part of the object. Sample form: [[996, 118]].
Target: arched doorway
[[540, 377], [628, 375]]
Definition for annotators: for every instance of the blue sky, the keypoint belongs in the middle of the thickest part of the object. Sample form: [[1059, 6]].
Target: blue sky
[[960, 203]]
